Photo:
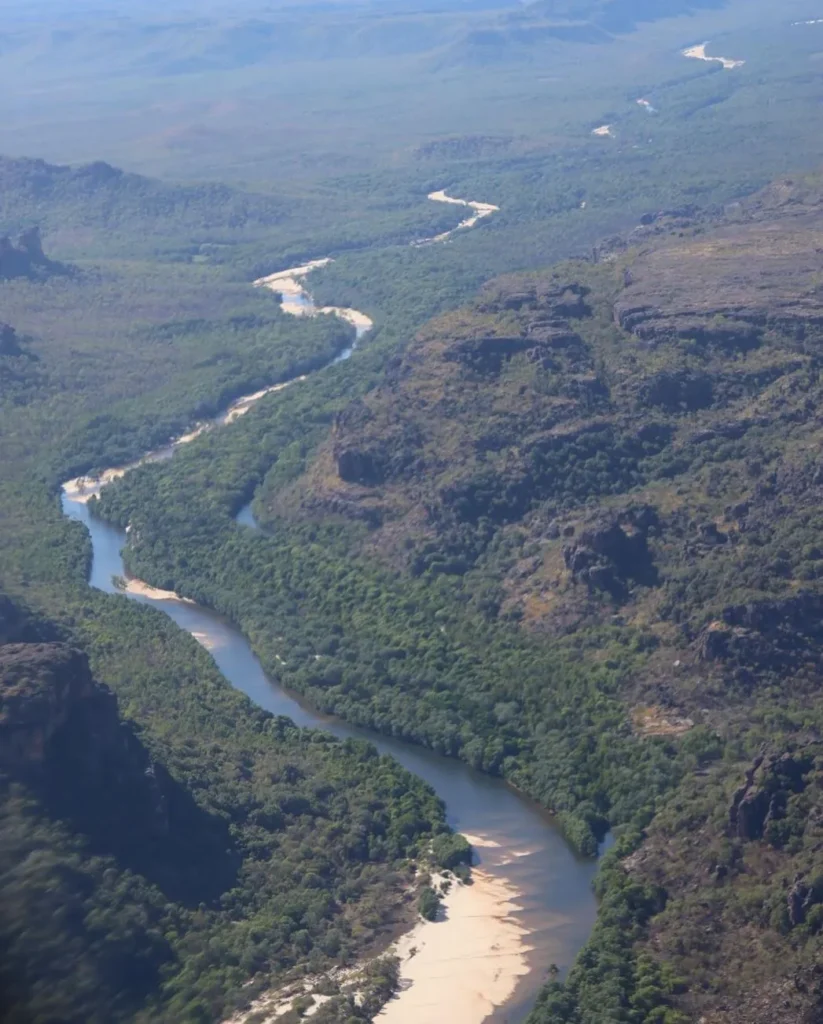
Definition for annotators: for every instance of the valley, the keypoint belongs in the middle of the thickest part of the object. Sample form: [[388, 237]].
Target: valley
[[514, 902], [414, 440]]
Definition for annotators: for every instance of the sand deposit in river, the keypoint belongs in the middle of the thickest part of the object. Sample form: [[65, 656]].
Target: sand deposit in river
[[141, 589], [296, 300], [242, 405], [468, 962], [604, 131], [477, 956], [84, 488], [699, 53], [479, 211]]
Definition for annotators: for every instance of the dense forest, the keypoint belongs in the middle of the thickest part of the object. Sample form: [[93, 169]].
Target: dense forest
[[149, 869], [558, 541], [254, 849], [563, 525]]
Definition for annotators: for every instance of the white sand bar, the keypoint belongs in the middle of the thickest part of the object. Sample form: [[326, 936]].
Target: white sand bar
[[699, 53], [242, 405], [604, 131], [83, 488], [479, 211], [296, 300], [141, 589], [462, 967]]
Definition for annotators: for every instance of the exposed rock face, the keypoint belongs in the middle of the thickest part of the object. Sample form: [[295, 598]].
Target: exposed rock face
[[9, 344], [728, 290], [557, 297], [763, 796], [770, 634], [677, 391], [31, 244], [487, 355], [60, 732], [800, 900], [42, 686], [25, 257], [613, 551], [358, 466]]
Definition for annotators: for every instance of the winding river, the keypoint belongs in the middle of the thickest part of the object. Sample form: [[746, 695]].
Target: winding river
[[531, 903]]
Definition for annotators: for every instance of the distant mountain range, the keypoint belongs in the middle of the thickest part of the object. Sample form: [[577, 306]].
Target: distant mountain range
[[175, 39]]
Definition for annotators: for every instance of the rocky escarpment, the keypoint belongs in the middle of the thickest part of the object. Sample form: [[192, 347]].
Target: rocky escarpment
[[61, 733], [731, 287], [763, 798], [766, 635], [614, 551], [670, 376], [24, 257], [9, 342], [623, 458], [62, 739], [466, 417]]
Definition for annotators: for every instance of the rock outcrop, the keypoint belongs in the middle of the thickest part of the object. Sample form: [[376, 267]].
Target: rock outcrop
[[9, 342], [755, 275], [613, 551], [676, 391], [767, 634], [800, 900], [24, 257], [60, 733], [763, 796]]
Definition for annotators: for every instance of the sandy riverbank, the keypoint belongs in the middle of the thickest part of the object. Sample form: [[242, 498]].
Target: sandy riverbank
[[699, 53], [459, 969], [141, 589], [466, 964], [242, 405], [479, 211], [296, 300], [84, 488]]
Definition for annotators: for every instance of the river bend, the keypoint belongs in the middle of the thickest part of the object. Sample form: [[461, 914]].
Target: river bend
[[532, 903]]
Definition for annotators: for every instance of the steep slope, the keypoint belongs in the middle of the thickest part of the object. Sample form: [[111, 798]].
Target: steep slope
[[25, 256], [597, 402], [149, 867], [630, 447]]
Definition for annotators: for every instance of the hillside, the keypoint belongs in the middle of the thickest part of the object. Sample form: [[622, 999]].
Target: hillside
[[24, 257], [159, 832], [573, 538], [149, 866]]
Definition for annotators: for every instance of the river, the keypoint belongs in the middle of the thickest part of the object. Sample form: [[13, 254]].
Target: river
[[532, 903]]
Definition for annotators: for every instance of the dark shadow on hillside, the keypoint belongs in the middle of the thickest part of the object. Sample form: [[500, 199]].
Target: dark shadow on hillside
[[61, 735], [143, 817]]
